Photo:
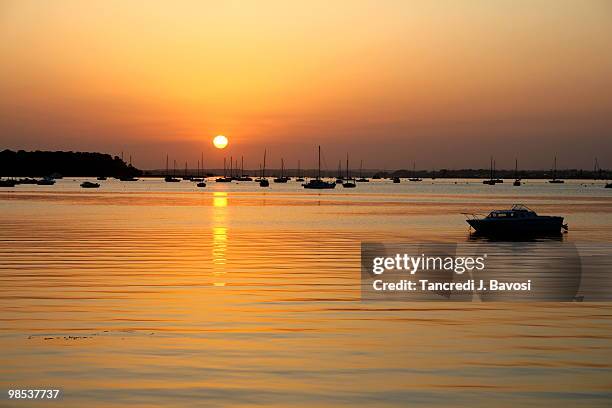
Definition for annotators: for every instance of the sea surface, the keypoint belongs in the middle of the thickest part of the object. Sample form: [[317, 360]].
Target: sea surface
[[153, 294]]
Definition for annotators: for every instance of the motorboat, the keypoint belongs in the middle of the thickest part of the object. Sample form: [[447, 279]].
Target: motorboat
[[46, 181], [89, 184], [518, 220], [396, 180], [201, 184]]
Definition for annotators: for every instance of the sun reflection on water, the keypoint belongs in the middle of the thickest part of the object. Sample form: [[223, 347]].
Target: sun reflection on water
[[219, 235]]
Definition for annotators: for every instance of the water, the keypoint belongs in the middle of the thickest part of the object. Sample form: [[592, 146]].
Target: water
[[161, 294]]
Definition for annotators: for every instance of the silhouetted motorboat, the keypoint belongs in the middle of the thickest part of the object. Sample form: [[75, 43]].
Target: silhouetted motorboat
[[7, 183], [518, 220], [201, 184], [317, 183], [89, 184], [46, 181], [396, 180], [555, 180]]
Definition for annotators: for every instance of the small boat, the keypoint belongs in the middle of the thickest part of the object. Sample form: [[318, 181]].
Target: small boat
[[517, 180], [299, 177], [263, 181], [349, 182], [362, 179], [169, 178], [555, 180], [201, 184], [242, 177], [27, 180], [317, 183], [396, 180], [492, 181], [101, 178], [7, 183], [89, 184], [518, 220], [46, 181], [282, 178], [414, 177], [608, 185], [128, 178]]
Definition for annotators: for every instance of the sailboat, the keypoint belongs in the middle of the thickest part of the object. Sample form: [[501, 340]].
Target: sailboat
[[339, 177], [128, 177], [349, 183], [168, 178], [555, 180], [492, 181], [282, 178], [263, 181], [414, 178], [361, 179], [242, 177], [299, 173], [186, 176], [317, 183], [201, 182], [396, 180], [224, 179], [517, 180]]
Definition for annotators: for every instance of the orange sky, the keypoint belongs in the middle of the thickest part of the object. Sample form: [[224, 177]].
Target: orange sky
[[444, 83]]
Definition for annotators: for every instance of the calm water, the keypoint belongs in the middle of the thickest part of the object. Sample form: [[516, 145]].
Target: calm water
[[154, 294]]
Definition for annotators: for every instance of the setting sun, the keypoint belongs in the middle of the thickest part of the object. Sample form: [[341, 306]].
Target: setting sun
[[220, 142]]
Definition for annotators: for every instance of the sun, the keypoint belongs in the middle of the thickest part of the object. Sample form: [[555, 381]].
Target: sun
[[220, 142]]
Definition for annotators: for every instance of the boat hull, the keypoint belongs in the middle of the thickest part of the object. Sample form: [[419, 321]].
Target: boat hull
[[529, 226]]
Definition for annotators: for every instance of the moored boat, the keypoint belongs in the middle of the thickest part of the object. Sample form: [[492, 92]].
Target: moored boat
[[519, 220], [317, 183], [89, 184]]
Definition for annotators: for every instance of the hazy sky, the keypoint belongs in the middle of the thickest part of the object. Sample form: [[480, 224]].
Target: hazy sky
[[445, 83]]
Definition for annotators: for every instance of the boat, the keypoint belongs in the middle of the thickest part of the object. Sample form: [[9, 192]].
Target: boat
[[555, 180], [201, 184], [349, 183], [414, 177], [224, 179], [317, 183], [46, 181], [518, 220], [299, 173], [282, 178], [339, 177], [186, 176], [242, 177], [608, 185], [396, 180], [362, 179], [492, 180], [517, 180], [169, 178], [128, 178], [101, 178], [7, 183], [27, 180], [89, 184], [263, 181]]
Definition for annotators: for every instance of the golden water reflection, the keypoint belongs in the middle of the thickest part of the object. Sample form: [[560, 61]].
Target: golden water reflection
[[219, 235]]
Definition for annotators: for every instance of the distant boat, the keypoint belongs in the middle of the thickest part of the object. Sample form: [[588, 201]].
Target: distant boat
[[169, 178], [608, 185], [127, 178], [89, 184], [299, 173], [7, 183], [186, 176], [242, 177], [263, 181], [317, 183], [101, 178], [517, 180], [396, 180], [349, 183], [492, 181], [46, 181], [224, 179], [414, 177], [339, 177], [518, 221], [282, 178], [361, 179], [555, 180], [201, 184]]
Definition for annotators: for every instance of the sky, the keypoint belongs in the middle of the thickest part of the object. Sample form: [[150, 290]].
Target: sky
[[445, 84]]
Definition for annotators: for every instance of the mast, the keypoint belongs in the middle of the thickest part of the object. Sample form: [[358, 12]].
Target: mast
[[491, 168], [242, 165], [516, 168], [555, 169], [166, 165], [198, 171], [224, 166], [185, 169], [319, 173], [360, 169], [231, 167], [174, 169], [339, 169], [347, 170], [202, 161], [263, 174]]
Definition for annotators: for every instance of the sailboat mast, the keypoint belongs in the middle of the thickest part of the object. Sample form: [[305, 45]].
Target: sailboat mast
[[347, 170], [263, 174], [202, 161], [224, 166], [242, 165], [361, 169], [319, 173], [166, 165]]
